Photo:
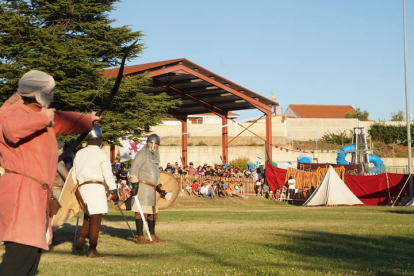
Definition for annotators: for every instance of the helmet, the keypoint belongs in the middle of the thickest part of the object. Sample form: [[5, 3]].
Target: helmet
[[154, 138], [95, 133]]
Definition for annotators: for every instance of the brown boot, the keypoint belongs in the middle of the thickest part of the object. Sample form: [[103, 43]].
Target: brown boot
[[78, 245], [156, 239], [93, 254], [142, 240]]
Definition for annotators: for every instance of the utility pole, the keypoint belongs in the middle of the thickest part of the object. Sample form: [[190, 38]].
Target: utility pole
[[407, 108]]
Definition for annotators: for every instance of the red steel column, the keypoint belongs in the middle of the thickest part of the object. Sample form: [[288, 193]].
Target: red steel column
[[224, 140], [184, 141], [269, 142]]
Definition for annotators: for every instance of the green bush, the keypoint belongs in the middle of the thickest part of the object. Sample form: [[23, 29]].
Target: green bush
[[341, 138], [240, 163], [201, 143], [390, 134]]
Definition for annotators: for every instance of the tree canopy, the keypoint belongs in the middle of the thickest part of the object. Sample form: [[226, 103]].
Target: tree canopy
[[364, 115], [74, 41], [399, 116]]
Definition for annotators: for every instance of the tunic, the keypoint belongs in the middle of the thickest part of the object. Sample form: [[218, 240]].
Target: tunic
[[146, 167], [28, 145], [92, 163]]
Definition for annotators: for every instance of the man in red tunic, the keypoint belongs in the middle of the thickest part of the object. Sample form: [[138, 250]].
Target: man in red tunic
[[28, 130]]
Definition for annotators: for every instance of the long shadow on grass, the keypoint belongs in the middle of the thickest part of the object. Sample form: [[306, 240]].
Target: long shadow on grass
[[382, 255], [402, 212], [217, 259], [66, 233]]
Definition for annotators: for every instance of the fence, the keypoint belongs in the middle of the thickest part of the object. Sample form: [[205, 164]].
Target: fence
[[396, 169], [248, 183]]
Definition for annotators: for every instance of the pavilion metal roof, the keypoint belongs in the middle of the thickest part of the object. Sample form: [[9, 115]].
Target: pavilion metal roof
[[201, 90]]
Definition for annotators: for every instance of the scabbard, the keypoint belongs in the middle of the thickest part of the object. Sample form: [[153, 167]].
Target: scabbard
[[82, 203]]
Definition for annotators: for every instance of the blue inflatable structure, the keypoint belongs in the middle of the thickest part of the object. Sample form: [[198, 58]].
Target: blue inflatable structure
[[305, 159], [340, 159], [378, 163]]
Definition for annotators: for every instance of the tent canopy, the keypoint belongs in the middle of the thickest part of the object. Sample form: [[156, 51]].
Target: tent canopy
[[332, 191]]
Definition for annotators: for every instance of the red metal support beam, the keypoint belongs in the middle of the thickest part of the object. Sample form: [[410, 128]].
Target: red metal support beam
[[181, 69], [269, 136], [219, 112], [224, 141], [184, 142]]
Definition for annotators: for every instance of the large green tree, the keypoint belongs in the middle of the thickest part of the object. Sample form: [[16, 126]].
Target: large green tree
[[74, 41]]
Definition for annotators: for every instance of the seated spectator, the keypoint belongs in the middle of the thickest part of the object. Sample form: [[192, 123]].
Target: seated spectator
[[196, 188], [304, 191], [239, 173], [176, 173], [184, 170], [213, 187], [265, 191], [209, 171], [178, 167], [123, 175], [310, 192], [192, 170], [277, 194], [405, 199], [247, 173], [391, 201], [220, 191], [169, 169], [200, 170], [271, 195], [205, 191], [188, 188], [283, 193], [232, 190], [239, 188]]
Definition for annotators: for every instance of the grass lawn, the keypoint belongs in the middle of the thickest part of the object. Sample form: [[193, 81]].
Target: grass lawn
[[251, 236]]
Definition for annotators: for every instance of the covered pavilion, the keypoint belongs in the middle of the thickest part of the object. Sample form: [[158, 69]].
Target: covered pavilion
[[202, 91]]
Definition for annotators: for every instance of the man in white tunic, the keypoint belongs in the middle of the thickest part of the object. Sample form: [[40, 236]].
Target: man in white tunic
[[144, 175], [93, 172]]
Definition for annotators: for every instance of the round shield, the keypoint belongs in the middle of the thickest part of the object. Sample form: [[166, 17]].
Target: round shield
[[171, 186], [70, 205]]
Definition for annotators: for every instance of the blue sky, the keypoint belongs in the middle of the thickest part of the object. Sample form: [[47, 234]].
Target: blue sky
[[332, 52]]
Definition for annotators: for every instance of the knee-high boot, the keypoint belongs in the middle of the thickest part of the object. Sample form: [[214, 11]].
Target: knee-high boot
[[151, 226], [83, 233], [95, 226], [139, 223]]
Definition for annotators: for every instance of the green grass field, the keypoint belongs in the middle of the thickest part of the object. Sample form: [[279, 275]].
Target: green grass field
[[251, 236]]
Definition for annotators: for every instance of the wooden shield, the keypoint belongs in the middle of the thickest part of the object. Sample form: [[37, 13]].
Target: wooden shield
[[70, 205], [170, 185]]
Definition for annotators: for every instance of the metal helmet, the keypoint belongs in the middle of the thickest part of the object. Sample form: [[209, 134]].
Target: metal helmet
[[95, 133], [154, 138]]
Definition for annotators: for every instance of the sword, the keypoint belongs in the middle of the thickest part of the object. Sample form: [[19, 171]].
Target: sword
[[136, 200], [119, 207]]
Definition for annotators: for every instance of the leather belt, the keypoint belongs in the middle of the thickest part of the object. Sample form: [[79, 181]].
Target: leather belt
[[146, 183], [91, 182], [57, 187]]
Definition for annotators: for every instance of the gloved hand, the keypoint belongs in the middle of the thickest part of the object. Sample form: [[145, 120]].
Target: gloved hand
[[162, 193], [114, 196], [134, 190]]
